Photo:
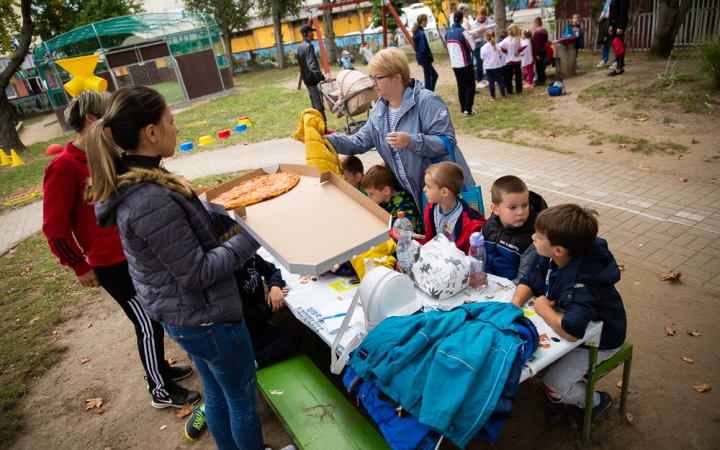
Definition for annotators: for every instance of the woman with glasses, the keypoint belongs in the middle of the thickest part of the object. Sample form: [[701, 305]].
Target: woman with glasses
[[407, 126]]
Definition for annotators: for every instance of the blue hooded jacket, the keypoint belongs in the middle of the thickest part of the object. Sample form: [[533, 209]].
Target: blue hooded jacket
[[423, 55], [585, 289], [458, 362]]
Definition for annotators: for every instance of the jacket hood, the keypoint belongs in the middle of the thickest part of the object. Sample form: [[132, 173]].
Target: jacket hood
[[132, 180], [598, 264]]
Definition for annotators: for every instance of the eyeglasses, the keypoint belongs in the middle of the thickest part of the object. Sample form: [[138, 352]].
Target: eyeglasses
[[376, 80]]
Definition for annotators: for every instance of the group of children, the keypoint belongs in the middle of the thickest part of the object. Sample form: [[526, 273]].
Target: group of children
[[513, 57], [552, 253]]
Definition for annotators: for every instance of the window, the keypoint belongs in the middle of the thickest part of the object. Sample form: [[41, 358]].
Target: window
[[10, 91]]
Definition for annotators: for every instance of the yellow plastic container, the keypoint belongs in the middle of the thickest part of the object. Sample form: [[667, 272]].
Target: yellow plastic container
[[204, 140]]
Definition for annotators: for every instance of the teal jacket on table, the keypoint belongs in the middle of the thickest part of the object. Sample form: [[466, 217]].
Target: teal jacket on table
[[447, 368]]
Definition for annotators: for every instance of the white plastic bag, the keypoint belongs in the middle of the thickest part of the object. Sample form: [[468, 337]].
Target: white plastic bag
[[442, 269]]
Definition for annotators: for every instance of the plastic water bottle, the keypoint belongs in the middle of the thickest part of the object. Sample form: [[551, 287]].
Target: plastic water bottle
[[478, 274], [403, 231]]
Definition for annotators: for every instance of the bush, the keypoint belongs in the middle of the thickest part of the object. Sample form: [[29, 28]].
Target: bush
[[708, 58]]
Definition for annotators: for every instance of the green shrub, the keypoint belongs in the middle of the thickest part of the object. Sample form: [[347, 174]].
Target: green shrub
[[708, 58]]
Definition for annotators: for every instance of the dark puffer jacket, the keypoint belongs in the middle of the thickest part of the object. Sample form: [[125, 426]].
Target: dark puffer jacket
[[510, 250], [182, 274]]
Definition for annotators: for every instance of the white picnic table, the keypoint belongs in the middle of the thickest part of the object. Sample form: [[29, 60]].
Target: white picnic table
[[308, 292]]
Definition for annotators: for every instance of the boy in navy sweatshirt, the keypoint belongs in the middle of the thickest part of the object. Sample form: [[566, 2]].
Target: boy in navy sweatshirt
[[575, 271]]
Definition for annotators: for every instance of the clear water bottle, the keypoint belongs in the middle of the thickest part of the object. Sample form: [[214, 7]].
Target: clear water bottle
[[403, 230], [478, 273]]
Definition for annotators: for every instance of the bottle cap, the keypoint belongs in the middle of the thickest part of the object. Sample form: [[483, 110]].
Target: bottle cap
[[477, 239], [401, 214]]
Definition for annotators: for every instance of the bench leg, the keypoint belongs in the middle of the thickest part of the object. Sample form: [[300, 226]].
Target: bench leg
[[625, 385], [589, 395]]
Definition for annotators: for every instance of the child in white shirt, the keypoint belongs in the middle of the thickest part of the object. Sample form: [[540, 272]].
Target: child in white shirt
[[513, 48], [527, 59], [490, 54]]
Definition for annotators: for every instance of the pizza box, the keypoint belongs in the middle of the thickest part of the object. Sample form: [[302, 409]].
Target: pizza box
[[321, 222]]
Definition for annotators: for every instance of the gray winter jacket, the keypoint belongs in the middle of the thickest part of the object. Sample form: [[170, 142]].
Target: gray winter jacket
[[182, 274], [425, 116]]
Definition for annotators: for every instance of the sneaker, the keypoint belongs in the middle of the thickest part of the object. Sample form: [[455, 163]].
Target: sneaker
[[615, 73], [556, 413], [527, 86], [178, 373], [471, 113], [492, 99], [613, 66], [481, 84], [504, 97], [602, 64], [177, 398], [196, 423], [579, 413]]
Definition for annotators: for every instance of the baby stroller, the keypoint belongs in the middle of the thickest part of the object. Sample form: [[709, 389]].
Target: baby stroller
[[355, 95]]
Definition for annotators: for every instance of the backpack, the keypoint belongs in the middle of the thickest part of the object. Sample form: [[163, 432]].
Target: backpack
[[556, 88], [382, 293]]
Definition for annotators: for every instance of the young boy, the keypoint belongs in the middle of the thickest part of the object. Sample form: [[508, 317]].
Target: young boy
[[381, 187], [539, 41], [446, 213], [270, 342], [353, 171], [508, 232], [576, 29], [575, 271]]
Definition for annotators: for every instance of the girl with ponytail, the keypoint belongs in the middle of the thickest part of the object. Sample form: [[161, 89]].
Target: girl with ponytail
[[423, 55], [490, 54], [182, 271], [513, 67]]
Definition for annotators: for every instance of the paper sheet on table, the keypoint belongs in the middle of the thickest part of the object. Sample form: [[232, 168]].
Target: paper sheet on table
[[333, 314]]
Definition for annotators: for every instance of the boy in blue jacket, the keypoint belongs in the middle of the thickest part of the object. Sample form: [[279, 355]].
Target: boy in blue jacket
[[509, 230], [575, 271]]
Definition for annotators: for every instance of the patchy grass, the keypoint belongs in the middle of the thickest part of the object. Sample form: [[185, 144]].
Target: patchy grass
[[211, 181], [35, 288], [34, 120]]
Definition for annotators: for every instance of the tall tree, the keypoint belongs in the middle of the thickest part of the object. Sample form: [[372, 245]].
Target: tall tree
[[9, 138], [97, 10], [277, 11], [55, 17], [329, 33], [389, 19], [671, 15], [229, 14], [500, 15]]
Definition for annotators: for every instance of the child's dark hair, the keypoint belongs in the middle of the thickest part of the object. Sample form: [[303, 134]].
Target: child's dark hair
[[447, 175], [458, 16], [570, 226], [503, 34], [378, 177], [537, 21], [509, 184], [352, 164], [128, 111], [527, 34]]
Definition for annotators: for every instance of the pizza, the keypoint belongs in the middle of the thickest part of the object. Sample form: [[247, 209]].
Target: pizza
[[257, 189]]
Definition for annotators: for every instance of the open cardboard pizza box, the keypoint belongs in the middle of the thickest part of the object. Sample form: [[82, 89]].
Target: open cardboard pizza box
[[320, 222]]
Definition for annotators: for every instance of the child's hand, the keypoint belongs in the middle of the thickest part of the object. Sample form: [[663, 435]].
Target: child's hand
[[543, 304], [275, 299], [285, 291]]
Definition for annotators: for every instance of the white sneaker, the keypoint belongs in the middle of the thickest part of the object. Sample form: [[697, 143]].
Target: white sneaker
[[613, 66], [602, 64], [481, 84]]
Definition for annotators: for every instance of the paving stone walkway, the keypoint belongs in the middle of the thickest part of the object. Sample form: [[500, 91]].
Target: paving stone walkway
[[651, 220]]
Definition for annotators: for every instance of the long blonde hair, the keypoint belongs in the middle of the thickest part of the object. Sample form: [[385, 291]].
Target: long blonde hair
[[490, 38], [129, 110], [513, 32], [420, 18]]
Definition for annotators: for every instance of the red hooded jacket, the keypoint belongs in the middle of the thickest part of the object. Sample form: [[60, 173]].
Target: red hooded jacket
[[470, 222]]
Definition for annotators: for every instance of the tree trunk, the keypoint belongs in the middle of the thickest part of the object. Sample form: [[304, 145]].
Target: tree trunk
[[671, 15], [500, 17], [228, 50], [329, 34], [277, 19], [9, 138]]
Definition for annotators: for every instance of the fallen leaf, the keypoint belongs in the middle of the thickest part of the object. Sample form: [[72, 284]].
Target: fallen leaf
[[85, 359], [588, 131], [93, 403], [553, 136], [670, 276], [677, 158], [641, 167], [245, 143], [669, 331], [629, 417], [12, 250], [218, 182], [34, 319], [687, 360], [701, 387], [598, 151], [25, 271], [163, 427], [55, 332], [622, 145], [642, 119], [694, 333], [172, 361], [186, 410], [695, 141], [580, 96], [682, 180], [619, 384], [100, 411], [621, 267], [89, 325]]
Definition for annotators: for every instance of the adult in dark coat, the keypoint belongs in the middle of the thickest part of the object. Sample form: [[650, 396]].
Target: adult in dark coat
[[310, 69], [619, 19]]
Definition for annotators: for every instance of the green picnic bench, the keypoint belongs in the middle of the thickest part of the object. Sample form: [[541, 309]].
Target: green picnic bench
[[315, 413]]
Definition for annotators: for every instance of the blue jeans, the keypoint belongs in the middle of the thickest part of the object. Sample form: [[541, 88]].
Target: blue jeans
[[223, 356], [431, 76], [606, 52], [478, 64]]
